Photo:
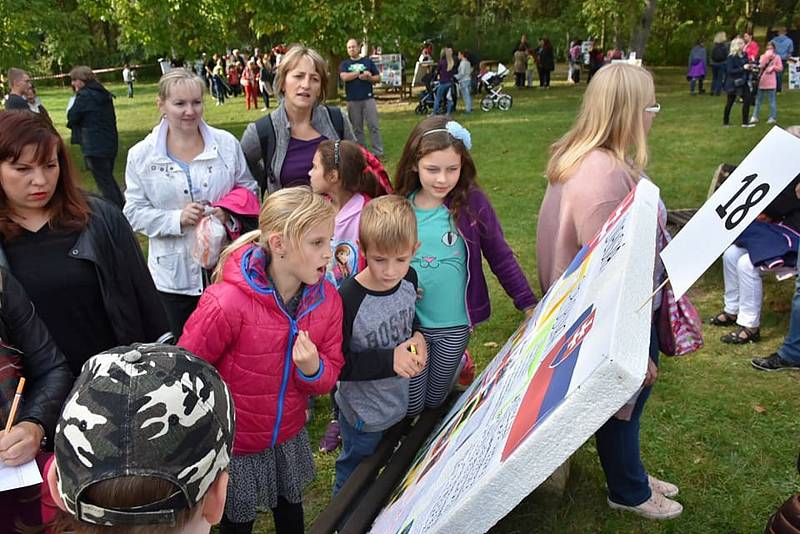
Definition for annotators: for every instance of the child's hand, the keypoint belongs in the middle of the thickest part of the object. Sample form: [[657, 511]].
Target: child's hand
[[420, 291], [305, 355], [406, 363], [529, 312], [422, 347]]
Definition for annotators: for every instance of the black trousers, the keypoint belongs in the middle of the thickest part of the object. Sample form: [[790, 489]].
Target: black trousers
[[745, 94], [519, 79], [178, 308], [288, 520], [544, 77], [103, 171]]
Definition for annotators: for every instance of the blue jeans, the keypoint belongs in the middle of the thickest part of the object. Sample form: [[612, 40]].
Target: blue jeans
[[441, 92], [790, 350], [618, 448], [718, 78], [465, 88], [779, 76], [219, 89], [356, 445], [773, 105]]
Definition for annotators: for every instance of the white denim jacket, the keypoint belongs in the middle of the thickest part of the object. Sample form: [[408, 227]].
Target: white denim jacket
[[158, 189]]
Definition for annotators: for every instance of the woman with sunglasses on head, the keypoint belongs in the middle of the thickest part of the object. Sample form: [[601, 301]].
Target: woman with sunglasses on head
[[592, 168]]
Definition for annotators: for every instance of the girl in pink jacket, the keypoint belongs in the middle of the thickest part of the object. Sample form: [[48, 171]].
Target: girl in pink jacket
[[770, 64], [272, 326]]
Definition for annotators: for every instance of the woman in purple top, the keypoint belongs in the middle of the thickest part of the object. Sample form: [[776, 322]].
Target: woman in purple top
[[300, 123], [447, 71]]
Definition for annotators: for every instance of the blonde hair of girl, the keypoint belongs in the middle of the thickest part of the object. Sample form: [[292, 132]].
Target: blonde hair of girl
[[611, 118], [290, 212]]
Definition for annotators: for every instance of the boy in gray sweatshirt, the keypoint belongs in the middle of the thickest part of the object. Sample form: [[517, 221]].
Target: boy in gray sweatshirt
[[381, 346]]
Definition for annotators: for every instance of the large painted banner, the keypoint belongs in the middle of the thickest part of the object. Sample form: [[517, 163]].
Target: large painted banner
[[562, 374]]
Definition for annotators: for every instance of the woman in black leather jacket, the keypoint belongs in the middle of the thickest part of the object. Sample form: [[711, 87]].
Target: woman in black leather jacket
[[75, 255], [26, 341]]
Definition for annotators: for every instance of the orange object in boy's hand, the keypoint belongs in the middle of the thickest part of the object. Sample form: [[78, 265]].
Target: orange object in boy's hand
[[305, 355]]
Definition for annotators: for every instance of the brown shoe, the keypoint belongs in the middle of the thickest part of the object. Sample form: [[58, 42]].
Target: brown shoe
[[656, 507]]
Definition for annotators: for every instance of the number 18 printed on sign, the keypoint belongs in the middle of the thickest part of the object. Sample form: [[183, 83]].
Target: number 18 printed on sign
[[763, 174]]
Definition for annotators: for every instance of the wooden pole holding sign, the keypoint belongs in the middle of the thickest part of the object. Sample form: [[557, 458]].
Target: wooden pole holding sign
[[761, 176]]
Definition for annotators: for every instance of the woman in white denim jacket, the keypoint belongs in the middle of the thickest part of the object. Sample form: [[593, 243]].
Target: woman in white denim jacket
[[172, 177]]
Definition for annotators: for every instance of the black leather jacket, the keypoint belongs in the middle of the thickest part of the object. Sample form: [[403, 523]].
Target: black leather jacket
[[47, 375], [131, 301]]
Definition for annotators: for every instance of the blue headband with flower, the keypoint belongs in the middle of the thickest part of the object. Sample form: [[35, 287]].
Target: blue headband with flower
[[455, 130]]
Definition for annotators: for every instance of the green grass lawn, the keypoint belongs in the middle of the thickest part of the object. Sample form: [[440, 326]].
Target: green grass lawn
[[728, 435]]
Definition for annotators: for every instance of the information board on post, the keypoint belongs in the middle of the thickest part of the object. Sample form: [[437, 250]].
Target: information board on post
[[758, 179], [560, 377]]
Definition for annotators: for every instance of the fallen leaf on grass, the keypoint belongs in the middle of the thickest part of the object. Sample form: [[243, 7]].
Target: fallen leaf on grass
[[759, 408], [490, 345]]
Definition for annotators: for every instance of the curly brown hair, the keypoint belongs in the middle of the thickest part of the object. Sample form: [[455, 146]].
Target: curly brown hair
[[421, 143]]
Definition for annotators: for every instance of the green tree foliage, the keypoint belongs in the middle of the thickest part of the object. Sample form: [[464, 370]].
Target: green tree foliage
[[52, 35]]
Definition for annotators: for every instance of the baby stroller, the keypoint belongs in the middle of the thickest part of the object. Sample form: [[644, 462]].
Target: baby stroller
[[493, 82], [426, 97]]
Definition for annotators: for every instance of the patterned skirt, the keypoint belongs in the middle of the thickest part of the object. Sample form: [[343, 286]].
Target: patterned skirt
[[256, 480]]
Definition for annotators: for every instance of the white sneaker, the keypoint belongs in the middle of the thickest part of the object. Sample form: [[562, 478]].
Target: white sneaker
[[656, 507], [771, 120], [667, 489], [753, 120]]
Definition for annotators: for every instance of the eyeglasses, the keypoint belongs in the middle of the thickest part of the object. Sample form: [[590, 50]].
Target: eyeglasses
[[653, 109]]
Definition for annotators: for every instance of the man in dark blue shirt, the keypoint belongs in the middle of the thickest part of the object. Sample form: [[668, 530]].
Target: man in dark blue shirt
[[19, 83], [358, 74]]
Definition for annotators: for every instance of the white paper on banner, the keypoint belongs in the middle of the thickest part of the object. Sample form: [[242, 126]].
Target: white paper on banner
[[758, 179], [20, 476], [562, 374]]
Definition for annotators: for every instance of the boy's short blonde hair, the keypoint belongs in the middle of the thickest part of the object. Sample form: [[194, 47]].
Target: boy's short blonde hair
[[388, 224]]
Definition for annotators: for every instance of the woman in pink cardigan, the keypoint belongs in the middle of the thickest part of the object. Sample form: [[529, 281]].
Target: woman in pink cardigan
[[592, 168], [770, 64]]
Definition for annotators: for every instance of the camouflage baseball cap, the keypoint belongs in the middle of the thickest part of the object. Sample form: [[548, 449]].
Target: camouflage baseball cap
[[145, 410]]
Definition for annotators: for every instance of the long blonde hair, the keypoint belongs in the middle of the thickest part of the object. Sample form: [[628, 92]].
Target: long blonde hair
[[611, 119], [290, 212]]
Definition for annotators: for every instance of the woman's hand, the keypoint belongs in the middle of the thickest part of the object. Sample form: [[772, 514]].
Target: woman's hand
[[20, 444], [305, 354], [191, 214], [652, 373]]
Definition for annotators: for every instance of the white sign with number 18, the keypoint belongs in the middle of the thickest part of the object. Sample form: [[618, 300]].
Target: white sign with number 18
[[764, 173]]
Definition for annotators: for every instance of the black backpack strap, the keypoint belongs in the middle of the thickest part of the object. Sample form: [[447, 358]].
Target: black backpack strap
[[337, 119], [266, 138]]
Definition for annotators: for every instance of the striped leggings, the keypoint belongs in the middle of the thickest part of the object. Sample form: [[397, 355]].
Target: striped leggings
[[445, 348]]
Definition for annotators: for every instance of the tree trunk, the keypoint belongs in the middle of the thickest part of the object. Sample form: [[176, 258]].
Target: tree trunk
[[642, 32]]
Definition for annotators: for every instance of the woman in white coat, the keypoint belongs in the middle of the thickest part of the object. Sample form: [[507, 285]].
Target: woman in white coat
[[173, 177]]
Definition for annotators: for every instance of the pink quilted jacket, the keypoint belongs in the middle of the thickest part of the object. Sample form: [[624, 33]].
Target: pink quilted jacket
[[240, 328]]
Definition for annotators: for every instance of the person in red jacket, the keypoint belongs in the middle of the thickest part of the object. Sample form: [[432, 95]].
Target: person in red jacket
[[272, 325]]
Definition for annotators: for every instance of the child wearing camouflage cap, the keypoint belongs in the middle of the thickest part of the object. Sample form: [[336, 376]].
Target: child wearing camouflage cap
[[143, 444]]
